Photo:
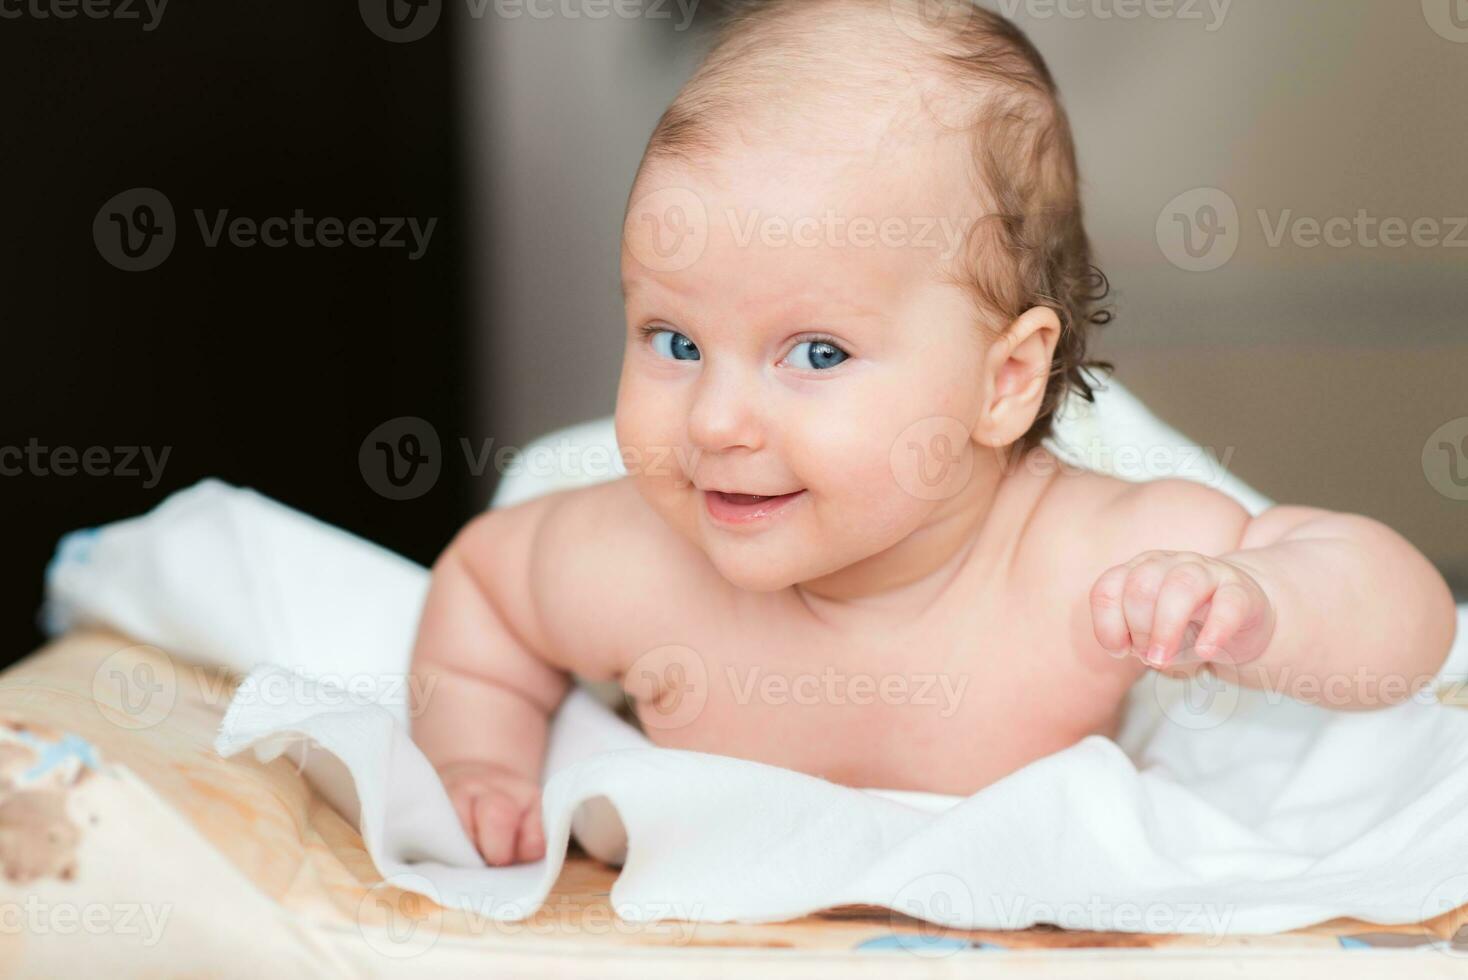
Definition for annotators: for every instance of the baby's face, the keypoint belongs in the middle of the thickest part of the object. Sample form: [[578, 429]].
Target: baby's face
[[789, 335]]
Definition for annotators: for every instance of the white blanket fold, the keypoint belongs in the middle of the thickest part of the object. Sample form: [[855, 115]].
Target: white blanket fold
[[1250, 813]]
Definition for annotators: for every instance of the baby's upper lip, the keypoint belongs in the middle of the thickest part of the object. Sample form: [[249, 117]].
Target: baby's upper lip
[[750, 493]]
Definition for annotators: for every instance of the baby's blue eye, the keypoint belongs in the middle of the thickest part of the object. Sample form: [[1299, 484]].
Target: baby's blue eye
[[670, 343], [817, 355]]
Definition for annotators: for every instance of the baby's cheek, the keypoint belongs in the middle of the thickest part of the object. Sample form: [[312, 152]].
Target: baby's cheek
[[849, 469], [648, 436], [660, 467], [844, 450]]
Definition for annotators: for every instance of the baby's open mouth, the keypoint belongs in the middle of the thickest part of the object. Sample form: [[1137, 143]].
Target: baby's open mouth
[[748, 498], [742, 508]]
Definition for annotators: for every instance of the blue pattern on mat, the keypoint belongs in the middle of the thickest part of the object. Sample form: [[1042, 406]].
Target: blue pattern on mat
[[54, 754], [922, 944]]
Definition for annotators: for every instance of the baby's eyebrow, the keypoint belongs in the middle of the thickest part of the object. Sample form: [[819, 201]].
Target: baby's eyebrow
[[638, 284], [836, 304], [807, 309]]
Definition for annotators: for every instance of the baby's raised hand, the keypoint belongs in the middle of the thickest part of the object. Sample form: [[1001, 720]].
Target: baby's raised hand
[[1164, 605], [499, 810]]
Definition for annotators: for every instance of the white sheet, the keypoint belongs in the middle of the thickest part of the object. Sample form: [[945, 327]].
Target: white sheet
[[1247, 817]]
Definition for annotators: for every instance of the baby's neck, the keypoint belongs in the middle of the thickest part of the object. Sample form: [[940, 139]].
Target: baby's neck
[[907, 578]]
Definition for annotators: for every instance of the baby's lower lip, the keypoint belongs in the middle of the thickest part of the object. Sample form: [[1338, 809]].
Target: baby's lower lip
[[744, 509]]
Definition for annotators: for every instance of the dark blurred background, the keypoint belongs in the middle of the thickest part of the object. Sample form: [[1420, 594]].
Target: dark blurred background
[[264, 366], [1326, 371]]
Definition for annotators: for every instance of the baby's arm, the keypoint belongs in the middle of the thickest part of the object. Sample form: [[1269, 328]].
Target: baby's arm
[[1326, 607], [488, 693]]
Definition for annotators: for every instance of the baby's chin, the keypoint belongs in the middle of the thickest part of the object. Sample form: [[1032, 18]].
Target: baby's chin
[[764, 564], [752, 573]]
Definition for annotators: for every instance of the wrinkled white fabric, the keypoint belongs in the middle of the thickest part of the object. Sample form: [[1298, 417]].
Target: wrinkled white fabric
[[1250, 813]]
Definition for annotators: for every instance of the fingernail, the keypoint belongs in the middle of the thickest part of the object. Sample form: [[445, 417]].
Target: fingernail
[[1157, 655]]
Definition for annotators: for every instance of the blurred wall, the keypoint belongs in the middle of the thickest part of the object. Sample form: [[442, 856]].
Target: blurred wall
[[1325, 370], [559, 109]]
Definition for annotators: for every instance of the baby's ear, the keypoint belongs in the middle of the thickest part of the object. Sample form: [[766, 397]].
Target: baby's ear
[[1016, 373]]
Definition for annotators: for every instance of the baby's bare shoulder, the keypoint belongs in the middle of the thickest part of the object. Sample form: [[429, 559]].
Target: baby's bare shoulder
[[1084, 522], [605, 570], [1109, 520]]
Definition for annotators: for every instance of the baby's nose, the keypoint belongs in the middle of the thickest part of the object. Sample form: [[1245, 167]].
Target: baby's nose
[[726, 412]]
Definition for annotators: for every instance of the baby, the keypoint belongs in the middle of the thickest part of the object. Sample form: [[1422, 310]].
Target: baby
[[841, 547]]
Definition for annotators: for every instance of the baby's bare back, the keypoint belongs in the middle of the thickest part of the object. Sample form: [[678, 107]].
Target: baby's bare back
[[1001, 669]]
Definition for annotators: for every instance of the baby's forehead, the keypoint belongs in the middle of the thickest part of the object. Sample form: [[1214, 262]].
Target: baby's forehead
[[772, 235], [793, 177]]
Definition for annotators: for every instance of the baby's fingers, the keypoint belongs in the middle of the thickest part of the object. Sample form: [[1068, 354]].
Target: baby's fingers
[[1231, 607], [531, 845], [496, 818], [1185, 588], [1108, 619], [1139, 597]]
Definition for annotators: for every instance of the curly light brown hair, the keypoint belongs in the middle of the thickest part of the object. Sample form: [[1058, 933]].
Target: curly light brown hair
[[1030, 248]]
